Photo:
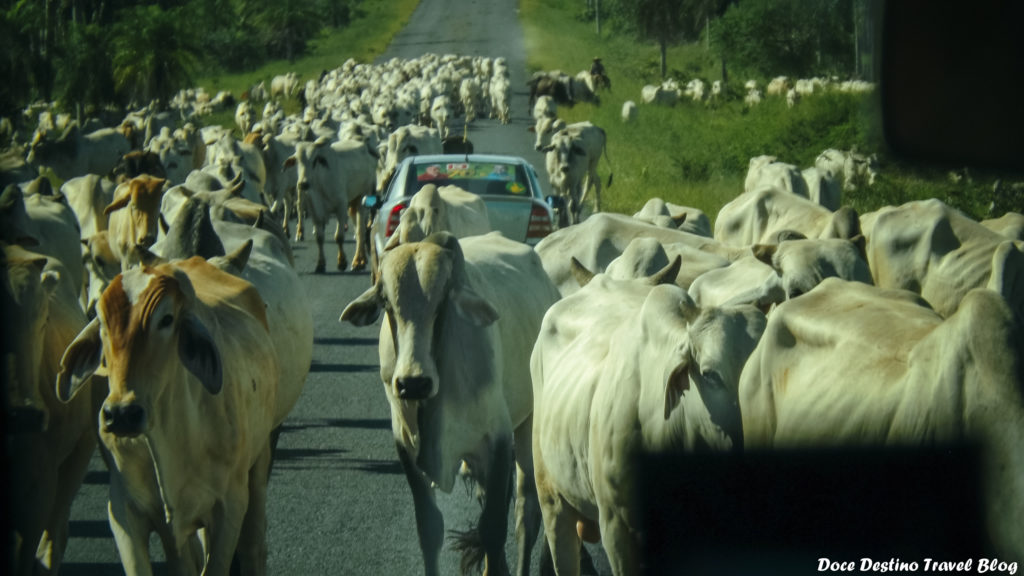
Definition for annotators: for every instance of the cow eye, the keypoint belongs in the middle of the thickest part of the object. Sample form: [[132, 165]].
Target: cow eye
[[166, 321], [320, 161], [101, 263]]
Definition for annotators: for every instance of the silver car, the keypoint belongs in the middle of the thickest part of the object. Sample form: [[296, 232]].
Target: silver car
[[508, 186]]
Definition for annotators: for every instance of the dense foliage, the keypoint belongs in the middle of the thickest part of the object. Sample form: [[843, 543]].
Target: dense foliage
[[97, 52]]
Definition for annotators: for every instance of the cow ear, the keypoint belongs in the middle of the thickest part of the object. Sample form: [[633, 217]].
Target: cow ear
[[80, 361], [677, 383], [764, 252], [548, 148], [199, 354], [124, 196], [679, 219], [164, 227], [473, 308], [289, 163], [364, 310], [668, 274], [580, 273]]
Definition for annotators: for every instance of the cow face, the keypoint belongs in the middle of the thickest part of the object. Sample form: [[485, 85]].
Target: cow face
[[25, 295], [308, 160], [423, 289], [101, 265], [142, 315], [141, 196]]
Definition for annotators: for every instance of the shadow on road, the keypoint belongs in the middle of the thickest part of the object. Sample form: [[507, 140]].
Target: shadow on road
[[326, 341], [346, 368], [363, 423]]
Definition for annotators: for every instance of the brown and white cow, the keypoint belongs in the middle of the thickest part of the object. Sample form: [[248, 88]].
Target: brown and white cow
[[192, 374], [134, 216]]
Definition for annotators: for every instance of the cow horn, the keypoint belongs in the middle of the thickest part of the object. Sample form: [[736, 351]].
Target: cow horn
[[581, 273], [238, 259]]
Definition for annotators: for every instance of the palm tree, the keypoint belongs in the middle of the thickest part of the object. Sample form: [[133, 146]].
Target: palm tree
[[154, 53]]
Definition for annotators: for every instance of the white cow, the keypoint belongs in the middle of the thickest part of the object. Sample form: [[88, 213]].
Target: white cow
[[629, 111], [667, 215], [408, 141], [445, 209], [938, 252], [620, 367], [335, 176], [77, 154], [766, 171], [603, 237], [462, 318], [571, 160], [849, 364], [758, 216]]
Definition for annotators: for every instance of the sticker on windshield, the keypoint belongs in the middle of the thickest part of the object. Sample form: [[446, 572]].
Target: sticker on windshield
[[515, 187], [467, 170]]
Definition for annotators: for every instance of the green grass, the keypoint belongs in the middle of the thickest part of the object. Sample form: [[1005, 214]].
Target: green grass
[[697, 155]]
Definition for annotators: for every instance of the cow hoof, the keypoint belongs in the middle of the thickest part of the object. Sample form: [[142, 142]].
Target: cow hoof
[[358, 266], [342, 266], [320, 268]]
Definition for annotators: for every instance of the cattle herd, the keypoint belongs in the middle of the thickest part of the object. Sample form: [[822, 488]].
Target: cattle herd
[[155, 293]]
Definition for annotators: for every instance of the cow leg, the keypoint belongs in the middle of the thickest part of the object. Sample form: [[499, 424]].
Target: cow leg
[[356, 213], [321, 262], [252, 542], [559, 525], [299, 235], [69, 478], [339, 239], [429, 522], [597, 189], [528, 515], [494, 518], [619, 543], [223, 533], [130, 528]]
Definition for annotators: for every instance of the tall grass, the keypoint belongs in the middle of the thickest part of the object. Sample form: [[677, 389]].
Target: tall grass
[[697, 154]]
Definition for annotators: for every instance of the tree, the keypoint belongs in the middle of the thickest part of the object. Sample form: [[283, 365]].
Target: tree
[[790, 37], [154, 53], [84, 68], [665, 21]]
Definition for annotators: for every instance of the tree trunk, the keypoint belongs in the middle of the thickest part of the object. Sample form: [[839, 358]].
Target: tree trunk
[[664, 56], [725, 73], [597, 15]]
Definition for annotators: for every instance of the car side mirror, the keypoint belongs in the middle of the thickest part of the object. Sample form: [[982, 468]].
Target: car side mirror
[[371, 201], [556, 202]]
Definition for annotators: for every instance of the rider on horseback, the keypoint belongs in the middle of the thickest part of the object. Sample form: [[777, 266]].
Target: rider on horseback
[[598, 77]]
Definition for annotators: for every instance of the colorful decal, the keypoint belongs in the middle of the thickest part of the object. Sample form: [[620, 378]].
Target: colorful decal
[[470, 171]]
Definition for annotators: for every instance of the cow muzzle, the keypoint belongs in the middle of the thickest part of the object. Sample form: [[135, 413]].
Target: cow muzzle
[[413, 387], [126, 420]]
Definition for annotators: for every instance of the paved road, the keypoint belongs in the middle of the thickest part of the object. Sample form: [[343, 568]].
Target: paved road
[[338, 500]]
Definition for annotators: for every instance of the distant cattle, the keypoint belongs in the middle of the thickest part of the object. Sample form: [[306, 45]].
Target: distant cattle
[[851, 365], [76, 154], [192, 374], [461, 320]]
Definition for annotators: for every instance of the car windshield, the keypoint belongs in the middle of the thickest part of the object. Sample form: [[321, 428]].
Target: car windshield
[[490, 178]]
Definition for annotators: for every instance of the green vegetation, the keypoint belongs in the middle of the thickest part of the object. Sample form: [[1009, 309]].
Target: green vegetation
[[697, 154], [113, 53]]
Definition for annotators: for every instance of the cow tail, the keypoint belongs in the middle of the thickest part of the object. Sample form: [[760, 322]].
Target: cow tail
[[470, 544], [608, 160]]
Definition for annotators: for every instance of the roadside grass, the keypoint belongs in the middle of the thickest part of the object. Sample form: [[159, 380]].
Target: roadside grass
[[696, 154]]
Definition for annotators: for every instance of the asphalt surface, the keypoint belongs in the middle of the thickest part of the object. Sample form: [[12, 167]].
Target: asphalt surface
[[338, 499]]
